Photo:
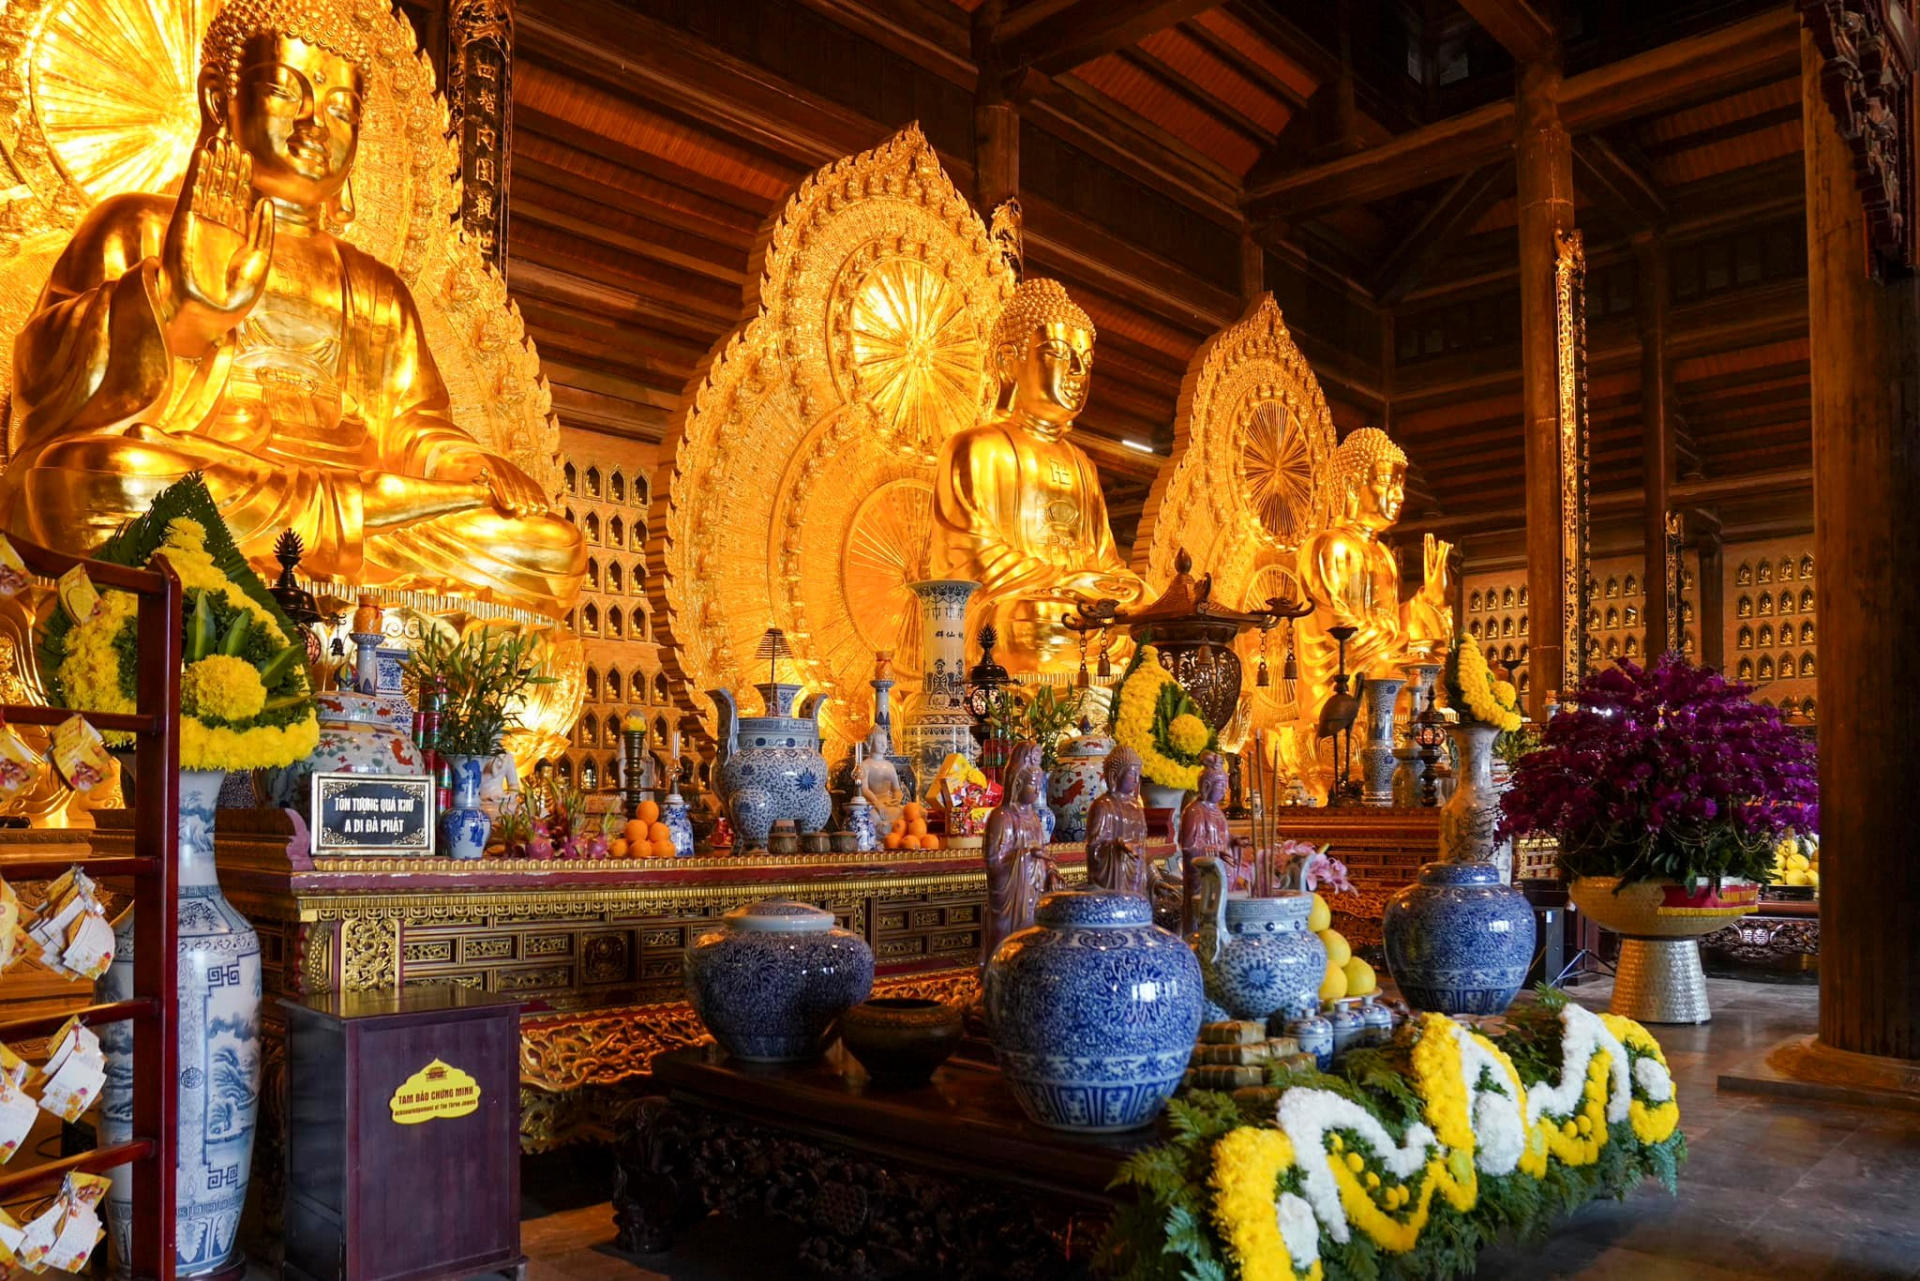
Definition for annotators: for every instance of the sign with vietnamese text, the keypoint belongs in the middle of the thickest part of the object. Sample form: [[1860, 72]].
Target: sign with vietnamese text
[[436, 1091], [368, 814]]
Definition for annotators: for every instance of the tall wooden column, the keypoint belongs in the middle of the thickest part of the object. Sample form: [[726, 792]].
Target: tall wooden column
[[1865, 336], [1253, 269], [480, 101], [1659, 454], [996, 121], [1710, 617], [1544, 172]]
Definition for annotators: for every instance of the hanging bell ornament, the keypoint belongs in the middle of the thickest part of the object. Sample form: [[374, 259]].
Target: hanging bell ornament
[[1106, 664], [1261, 677], [1083, 681], [1291, 672]]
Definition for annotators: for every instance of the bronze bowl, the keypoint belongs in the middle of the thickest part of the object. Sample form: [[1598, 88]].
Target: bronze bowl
[[900, 1040]]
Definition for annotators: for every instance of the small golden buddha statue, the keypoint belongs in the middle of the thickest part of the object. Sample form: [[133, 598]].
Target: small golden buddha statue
[[1355, 580], [1017, 506], [228, 332]]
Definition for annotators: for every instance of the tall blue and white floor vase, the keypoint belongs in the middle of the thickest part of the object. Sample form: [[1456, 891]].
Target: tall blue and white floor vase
[[465, 827], [219, 1023]]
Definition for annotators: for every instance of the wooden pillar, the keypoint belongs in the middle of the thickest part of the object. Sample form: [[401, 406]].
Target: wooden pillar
[[1253, 269], [996, 121], [480, 102], [1710, 616], [1659, 453], [1544, 172], [1865, 357]]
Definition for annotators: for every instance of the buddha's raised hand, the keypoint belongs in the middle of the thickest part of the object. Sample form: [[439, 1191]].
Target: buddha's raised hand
[[218, 247]]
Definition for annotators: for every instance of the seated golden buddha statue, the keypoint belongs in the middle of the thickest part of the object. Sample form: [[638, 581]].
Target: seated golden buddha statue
[[227, 332], [1017, 506], [1354, 580]]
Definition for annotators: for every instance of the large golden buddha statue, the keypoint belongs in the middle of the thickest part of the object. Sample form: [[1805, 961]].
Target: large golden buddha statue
[[226, 331], [1017, 505], [1354, 580]]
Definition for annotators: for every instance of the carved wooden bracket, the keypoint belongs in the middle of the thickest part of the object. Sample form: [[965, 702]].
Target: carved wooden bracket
[[1868, 47]]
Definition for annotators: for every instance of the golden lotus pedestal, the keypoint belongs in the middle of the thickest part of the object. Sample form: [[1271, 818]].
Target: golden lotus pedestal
[[1658, 978]]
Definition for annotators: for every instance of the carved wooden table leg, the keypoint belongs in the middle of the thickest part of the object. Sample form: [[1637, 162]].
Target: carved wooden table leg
[[654, 1193]]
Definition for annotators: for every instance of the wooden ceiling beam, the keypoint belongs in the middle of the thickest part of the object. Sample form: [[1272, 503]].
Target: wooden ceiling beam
[[1521, 29], [1076, 33], [1236, 58], [1440, 229], [1200, 96], [933, 36], [1620, 180], [1714, 64]]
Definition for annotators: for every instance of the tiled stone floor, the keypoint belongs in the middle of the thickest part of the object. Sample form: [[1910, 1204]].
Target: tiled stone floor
[[1774, 1188]]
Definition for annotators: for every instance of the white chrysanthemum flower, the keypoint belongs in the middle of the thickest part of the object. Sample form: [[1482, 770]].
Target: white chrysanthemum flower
[[1656, 1082], [1299, 1229], [1307, 1115]]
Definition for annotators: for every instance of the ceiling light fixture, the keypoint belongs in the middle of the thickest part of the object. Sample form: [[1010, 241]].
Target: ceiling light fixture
[[1138, 447]]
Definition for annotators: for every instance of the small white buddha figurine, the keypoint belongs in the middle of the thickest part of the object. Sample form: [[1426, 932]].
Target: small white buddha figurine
[[879, 782]]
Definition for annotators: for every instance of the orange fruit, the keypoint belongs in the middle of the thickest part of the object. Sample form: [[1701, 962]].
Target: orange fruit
[[929, 842], [657, 832], [649, 813], [917, 827], [636, 831], [618, 847], [914, 810], [891, 840], [663, 849]]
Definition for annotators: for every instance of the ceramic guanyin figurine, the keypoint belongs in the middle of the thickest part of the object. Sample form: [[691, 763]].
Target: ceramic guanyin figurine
[[1018, 869], [877, 781], [770, 766], [1117, 828], [770, 983], [1093, 1012]]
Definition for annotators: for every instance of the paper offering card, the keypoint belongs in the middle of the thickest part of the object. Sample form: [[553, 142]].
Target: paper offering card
[[17, 1113], [80, 754], [89, 948]]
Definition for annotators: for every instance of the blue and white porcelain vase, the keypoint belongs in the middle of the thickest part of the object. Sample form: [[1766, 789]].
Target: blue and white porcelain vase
[[773, 980], [866, 836], [465, 827], [1349, 1028], [1257, 956], [1459, 940], [1315, 1035], [1077, 778], [1093, 1012], [1470, 820], [1378, 1020], [679, 824], [219, 1027], [770, 766]]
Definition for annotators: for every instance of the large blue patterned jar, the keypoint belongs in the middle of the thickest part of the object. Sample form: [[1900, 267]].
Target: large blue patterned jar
[[1459, 940], [771, 982], [1093, 1012], [1077, 778], [770, 766], [218, 1016], [1257, 956]]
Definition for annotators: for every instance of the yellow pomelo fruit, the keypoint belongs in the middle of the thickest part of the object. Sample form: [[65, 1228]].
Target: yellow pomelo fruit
[[1798, 863], [1339, 951], [1798, 876], [1813, 878], [1334, 986], [1360, 979], [1321, 917]]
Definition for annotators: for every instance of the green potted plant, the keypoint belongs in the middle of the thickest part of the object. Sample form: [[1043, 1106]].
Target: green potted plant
[[481, 678]]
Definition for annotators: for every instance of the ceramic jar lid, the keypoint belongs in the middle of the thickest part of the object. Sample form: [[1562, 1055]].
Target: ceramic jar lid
[[1090, 744], [1093, 909], [779, 916]]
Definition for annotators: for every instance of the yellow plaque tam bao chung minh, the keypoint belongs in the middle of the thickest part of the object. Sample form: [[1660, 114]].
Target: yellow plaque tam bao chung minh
[[436, 1092]]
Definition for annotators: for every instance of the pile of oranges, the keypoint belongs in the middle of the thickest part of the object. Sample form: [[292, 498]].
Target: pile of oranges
[[910, 830], [646, 836]]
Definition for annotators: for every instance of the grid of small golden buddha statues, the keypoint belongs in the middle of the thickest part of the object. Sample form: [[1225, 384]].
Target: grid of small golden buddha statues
[[1772, 639], [607, 500]]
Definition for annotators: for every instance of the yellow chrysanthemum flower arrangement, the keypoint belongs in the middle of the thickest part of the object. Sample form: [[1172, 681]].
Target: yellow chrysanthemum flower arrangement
[[1475, 694], [1160, 721], [244, 701]]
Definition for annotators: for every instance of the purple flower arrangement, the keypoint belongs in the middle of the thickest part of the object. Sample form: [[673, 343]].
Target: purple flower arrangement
[[1665, 773]]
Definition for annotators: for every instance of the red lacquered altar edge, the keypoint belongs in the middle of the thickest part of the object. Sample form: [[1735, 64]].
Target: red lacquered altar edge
[[155, 725]]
